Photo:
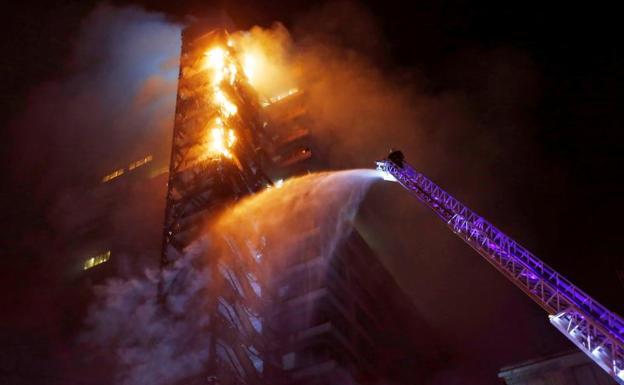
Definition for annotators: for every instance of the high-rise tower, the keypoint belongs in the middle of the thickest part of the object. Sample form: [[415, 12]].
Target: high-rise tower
[[315, 319], [217, 158], [217, 138]]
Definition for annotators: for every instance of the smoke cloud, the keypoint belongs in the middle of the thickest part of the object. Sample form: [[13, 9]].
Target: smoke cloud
[[153, 342], [118, 97], [111, 103], [118, 93]]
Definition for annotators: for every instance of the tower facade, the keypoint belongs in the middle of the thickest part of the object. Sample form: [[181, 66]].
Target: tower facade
[[315, 319], [217, 158], [217, 137]]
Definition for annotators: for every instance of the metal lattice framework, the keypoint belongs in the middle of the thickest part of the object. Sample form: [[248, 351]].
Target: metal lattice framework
[[595, 330], [198, 186]]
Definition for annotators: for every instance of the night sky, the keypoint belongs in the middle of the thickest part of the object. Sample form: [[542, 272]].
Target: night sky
[[542, 82]]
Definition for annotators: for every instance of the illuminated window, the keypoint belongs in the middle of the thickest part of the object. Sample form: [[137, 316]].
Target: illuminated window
[[140, 162], [113, 175], [254, 357], [97, 260]]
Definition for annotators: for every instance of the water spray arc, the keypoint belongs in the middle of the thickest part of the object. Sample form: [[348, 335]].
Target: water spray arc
[[595, 330]]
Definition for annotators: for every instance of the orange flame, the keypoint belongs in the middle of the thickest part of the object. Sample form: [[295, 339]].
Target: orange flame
[[220, 141], [252, 60], [221, 67]]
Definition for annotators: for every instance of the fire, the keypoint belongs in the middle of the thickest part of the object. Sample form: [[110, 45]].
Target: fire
[[221, 67], [220, 141], [249, 58], [224, 104]]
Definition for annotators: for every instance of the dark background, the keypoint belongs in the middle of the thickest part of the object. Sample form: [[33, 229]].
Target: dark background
[[559, 186]]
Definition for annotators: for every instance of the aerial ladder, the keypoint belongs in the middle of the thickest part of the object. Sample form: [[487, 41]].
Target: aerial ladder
[[595, 330]]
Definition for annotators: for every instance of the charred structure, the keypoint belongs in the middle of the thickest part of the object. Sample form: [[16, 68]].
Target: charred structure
[[217, 158], [217, 138], [316, 319], [313, 319]]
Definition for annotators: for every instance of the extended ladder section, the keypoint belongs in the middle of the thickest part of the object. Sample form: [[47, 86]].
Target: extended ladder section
[[595, 330]]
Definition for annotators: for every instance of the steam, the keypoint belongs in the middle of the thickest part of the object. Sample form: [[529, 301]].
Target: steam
[[161, 344], [325, 202]]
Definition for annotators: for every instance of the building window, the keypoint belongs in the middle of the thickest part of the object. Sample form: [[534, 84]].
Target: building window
[[113, 175], [139, 162], [254, 357], [97, 260], [232, 279], [131, 166], [227, 355]]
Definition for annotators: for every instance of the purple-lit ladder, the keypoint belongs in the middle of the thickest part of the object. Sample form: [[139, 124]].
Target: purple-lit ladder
[[595, 330]]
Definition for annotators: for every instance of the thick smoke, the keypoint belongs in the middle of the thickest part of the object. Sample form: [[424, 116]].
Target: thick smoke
[[111, 103], [118, 93], [118, 97], [163, 343]]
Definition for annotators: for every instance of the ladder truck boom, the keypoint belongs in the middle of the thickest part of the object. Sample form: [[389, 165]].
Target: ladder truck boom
[[595, 330]]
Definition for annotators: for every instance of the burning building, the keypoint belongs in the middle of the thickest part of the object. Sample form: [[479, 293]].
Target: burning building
[[315, 319]]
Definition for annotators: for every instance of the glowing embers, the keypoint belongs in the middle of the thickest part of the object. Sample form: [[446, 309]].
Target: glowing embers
[[221, 67], [219, 141], [223, 103], [97, 260]]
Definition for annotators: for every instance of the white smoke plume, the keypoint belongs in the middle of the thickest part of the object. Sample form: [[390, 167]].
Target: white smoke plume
[[154, 342]]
